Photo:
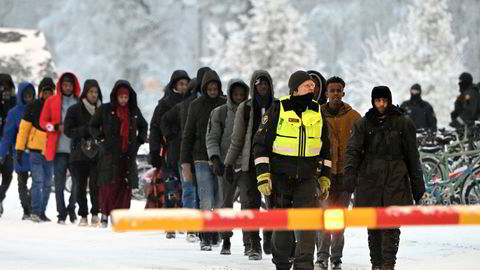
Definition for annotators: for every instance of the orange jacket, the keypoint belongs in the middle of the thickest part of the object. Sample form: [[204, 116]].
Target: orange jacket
[[51, 115]]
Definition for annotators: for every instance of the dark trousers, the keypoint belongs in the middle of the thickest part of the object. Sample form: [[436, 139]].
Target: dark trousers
[[383, 245], [247, 183], [330, 244], [85, 173], [24, 192], [229, 190], [7, 172], [60, 166], [289, 192]]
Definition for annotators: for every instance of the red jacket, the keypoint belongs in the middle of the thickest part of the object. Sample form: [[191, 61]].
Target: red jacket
[[51, 115]]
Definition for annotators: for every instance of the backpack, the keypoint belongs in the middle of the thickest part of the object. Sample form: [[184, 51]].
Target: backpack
[[156, 190]]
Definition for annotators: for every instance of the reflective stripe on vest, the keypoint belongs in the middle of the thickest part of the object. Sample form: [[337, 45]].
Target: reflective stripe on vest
[[298, 137]]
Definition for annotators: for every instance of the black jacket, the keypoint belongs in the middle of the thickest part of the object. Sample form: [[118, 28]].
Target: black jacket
[[77, 122], [382, 161], [8, 103], [296, 167], [167, 102], [193, 140], [466, 107], [105, 127], [172, 128], [421, 113]]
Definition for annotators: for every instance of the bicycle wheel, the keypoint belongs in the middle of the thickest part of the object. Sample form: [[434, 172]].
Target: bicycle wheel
[[431, 170], [471, 188]]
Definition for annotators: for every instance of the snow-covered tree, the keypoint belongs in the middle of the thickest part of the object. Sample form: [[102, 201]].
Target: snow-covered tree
[[272, 36], [422, 49]]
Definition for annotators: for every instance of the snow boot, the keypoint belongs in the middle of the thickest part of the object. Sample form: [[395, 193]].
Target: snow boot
[[83, 222], [256, 252], [226, 247], [26, 217], [377, 267], [388, 267], [322, 264], [170, 235], [44, 218], [206, 244], [337, 265]]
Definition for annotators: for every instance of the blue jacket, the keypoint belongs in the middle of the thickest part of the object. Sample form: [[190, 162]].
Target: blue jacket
[[12, 124]]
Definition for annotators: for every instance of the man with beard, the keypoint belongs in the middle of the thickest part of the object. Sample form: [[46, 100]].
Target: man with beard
[[58, 144], [382, 167]]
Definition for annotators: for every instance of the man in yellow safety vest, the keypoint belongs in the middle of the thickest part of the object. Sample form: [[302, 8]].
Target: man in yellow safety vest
[[292, 159]]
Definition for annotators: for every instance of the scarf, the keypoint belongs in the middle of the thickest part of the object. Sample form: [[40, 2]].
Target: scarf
[[123, 114], [90, 108]]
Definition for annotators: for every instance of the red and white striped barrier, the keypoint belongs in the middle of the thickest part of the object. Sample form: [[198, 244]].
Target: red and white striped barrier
[[293, 218]]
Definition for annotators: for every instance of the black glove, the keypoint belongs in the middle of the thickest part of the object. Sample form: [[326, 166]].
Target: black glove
[[19, 157], [228, 174], [418, 198], [349, 183], [156, 159], [218, 167]]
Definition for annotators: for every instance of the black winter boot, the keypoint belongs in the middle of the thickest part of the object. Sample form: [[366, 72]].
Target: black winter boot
[[226, 247], [256, 252]]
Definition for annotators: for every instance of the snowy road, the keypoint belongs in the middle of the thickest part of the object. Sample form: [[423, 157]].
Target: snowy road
[[26, 245]]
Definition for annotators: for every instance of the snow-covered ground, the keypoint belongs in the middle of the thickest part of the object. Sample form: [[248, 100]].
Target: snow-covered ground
[[26, 245]]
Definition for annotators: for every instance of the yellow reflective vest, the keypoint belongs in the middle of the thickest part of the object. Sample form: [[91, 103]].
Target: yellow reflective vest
[[298, 137]]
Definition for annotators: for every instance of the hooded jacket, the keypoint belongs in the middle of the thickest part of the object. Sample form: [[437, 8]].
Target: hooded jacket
[[193, 94], [382, 161], [12, 127], [321, 98], [30, 135], [6, 104], [172, 127], [193, 140], [104, 126], [167, 102], [247, 121], [421, 113], [77, 122], [339, 128], [52, 115], [220, 125]]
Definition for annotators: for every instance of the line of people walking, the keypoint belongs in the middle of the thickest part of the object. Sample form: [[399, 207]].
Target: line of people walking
[[307, 149]]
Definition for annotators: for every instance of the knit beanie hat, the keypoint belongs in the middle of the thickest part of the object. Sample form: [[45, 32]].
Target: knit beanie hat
[[296, 79]]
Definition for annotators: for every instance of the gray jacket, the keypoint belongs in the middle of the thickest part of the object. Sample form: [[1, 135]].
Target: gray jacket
[[242, 135], [220, 124]]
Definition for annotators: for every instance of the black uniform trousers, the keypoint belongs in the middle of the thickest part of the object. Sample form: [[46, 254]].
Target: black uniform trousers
[[289, 192]]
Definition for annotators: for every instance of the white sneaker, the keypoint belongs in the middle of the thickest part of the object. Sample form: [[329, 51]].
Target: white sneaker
[[191, 238], [83, 222]]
